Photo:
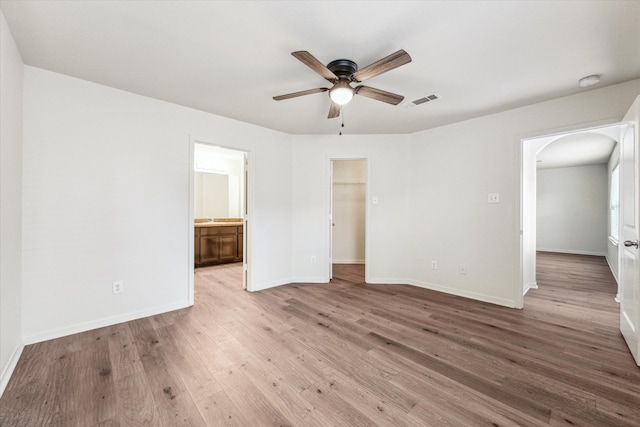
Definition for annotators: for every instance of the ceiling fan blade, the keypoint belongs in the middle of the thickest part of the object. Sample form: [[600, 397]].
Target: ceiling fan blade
[[388, 63], [301, 93], [334, 110], [310, 61], [379, 95]]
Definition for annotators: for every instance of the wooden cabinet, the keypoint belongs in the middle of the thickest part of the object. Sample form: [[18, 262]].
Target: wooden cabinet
[[217, 245]]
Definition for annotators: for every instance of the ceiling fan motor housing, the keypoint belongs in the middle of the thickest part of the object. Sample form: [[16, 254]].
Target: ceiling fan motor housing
[[343, 68]]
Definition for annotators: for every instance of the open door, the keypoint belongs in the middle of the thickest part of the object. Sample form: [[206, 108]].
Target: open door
[[629, 220], [331, 224], [245, 228]]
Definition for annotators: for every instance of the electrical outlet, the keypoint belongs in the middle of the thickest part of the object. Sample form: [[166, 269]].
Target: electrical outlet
[[118, 287], [493, 198], [313, 259], [462, 269], [434, 265]]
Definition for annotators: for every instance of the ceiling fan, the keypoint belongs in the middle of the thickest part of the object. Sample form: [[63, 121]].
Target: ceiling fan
[[342, 72]]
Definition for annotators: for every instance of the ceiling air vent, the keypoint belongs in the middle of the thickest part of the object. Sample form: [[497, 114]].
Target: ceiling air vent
[[427, 98]]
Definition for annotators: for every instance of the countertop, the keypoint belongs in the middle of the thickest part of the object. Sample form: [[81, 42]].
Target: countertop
[[218, 224]]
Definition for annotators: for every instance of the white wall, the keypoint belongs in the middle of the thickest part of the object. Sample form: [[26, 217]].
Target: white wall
[[433, 188], [529, 151], [349, 211], [10, 206], [387, 224], [452, 170], [612, 248], [105, 198], [97, 208], [572, 214]]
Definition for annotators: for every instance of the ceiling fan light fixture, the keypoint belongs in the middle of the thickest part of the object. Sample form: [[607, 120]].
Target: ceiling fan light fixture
[[341, 93]]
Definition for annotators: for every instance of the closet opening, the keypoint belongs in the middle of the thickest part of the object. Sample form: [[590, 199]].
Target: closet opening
[[348, 219]]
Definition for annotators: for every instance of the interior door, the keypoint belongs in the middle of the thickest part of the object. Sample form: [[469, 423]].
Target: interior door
[[245, 228], [331, 219], [629, 219]]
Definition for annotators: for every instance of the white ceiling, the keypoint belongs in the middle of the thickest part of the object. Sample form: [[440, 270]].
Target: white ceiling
[[576, 149], [230, 57]]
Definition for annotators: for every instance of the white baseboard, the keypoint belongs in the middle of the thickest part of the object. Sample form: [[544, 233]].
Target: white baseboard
[[348, 261], [388, 281], [10, 367], [101, 323], [404, 281], [466, 294], [531, 285], [282, 282], [446, 290], [614, 273], [572, 251]]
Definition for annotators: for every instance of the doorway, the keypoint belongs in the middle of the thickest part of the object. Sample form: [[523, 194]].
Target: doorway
[[348, 217], [531, 153], [218, 209]]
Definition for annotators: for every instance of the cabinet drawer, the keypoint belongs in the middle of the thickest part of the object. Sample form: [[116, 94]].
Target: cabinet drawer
[[214, 231], [209, 231], [228, 231]]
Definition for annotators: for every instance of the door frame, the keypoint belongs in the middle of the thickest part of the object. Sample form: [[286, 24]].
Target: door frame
[[367, 214], [247, 208], [527, 148]]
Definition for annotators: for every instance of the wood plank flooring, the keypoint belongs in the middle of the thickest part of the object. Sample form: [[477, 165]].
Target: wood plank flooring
[[344, 354]]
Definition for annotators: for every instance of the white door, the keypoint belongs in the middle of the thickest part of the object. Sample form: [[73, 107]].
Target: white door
[[331, 224], [629, 219], [245, 225]]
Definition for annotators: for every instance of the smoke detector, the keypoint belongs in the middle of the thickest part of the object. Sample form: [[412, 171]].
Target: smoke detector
[[589, 80]]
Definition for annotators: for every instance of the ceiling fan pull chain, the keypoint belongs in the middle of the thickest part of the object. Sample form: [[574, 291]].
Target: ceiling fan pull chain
[[341, 118]]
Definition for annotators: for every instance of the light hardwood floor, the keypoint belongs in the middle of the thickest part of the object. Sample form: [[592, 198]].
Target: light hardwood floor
[[344, 354]]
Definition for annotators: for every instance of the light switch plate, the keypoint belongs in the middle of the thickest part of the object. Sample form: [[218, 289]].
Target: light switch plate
[[493, 198], [117, 287]]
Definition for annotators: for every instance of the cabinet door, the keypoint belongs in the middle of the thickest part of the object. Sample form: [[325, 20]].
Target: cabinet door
[[240, 244], [228, 247], [209, 249], [228, 244]]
